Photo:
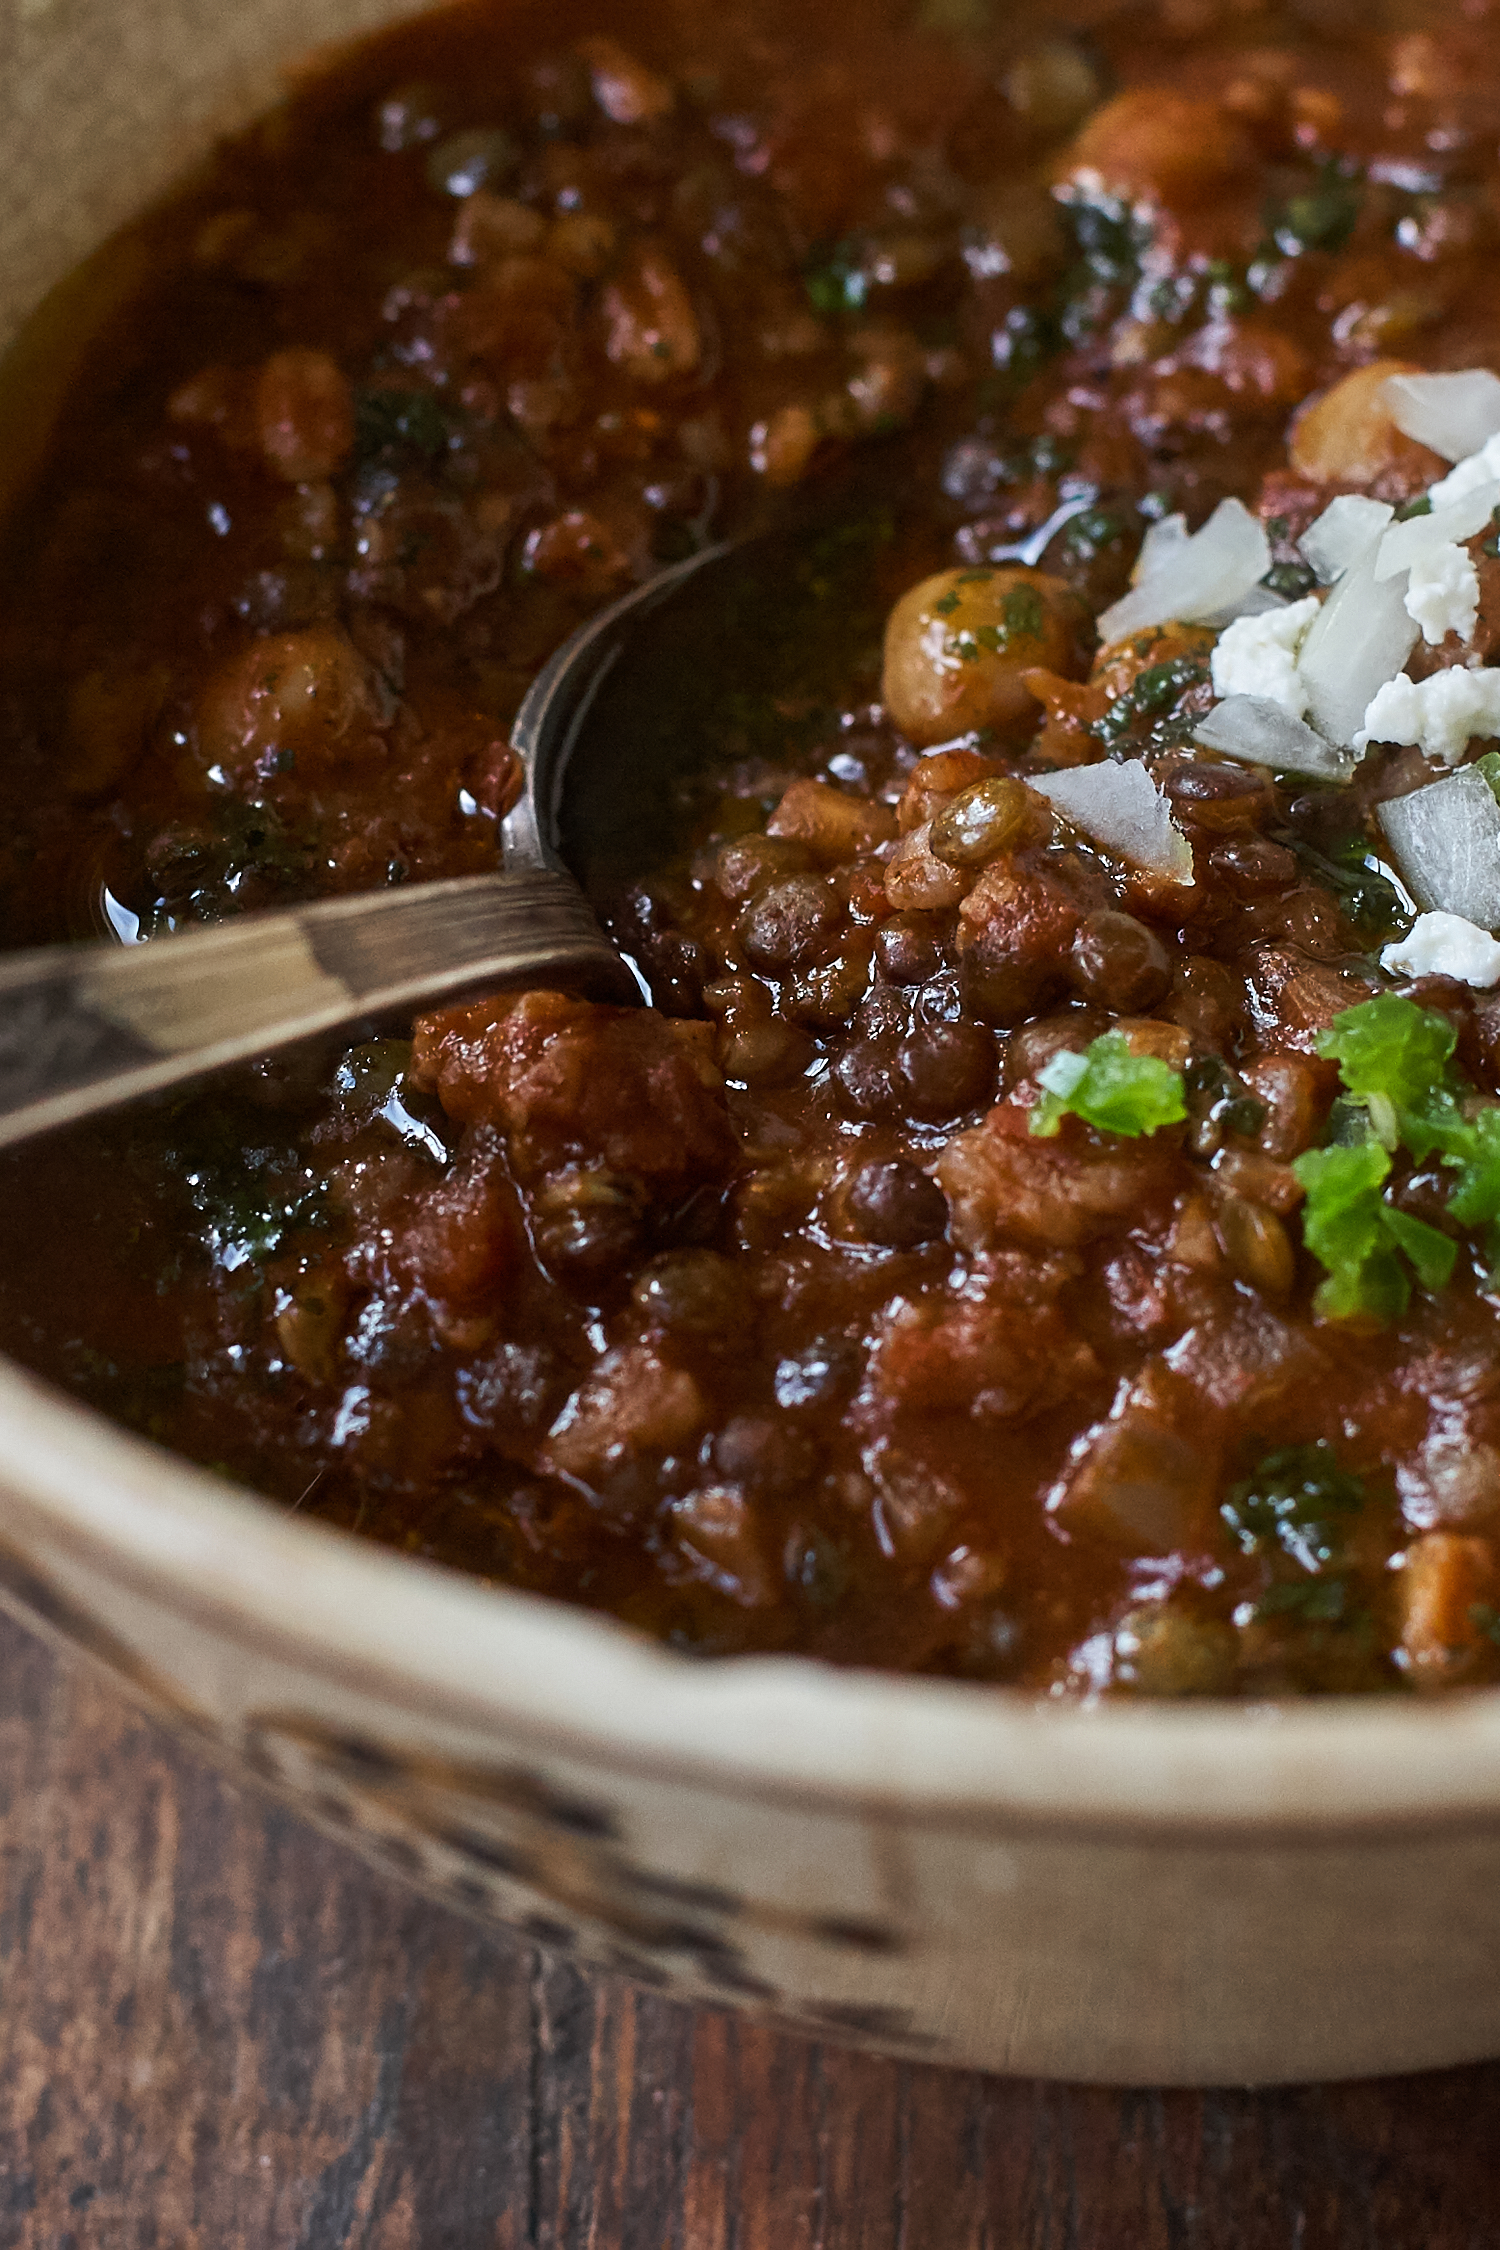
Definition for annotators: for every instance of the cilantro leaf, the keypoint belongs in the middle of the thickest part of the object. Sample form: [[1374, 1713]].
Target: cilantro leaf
[[1293, 1504], [1392, 1055], [1109, 1087], [1343, 1225], [1476, 1196]]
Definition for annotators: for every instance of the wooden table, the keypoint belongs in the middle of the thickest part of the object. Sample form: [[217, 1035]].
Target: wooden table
[[222, 2033]]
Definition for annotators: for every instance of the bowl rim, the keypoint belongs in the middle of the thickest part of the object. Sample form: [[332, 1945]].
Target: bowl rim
[[524, 1675], [518, 1674]]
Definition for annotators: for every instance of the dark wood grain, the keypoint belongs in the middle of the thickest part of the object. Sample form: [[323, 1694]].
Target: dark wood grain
[[222, 2033]]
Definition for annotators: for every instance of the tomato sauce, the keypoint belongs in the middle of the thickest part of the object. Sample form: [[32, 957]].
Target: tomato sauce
[[767, 1319]]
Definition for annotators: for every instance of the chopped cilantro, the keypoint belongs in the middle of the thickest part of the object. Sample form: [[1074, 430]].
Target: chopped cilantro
[[1109, 236], [1023, 617], [1110, 1088], [1353, 873], [1487, 1618], [1295, 1503], [1090, 533], [1392, 1055], [1026, 337], [1422, 506], [1152, 694], [1360, 1238], [1396, 1061], [1321, 218], [400, 421], [1290, 579], [1313, 1601], [836, 279], [1024, 614]]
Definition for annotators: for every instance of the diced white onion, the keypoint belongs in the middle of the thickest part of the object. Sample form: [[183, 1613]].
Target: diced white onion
[[1120, 807], [1341, 534], [1405, 544], [1482, 467], [1162, 539], [1262, 733], [1445, 945], [1259, 602], [1454, 414], [1196, 579], [1445, 841], [1440, 716], [1360, 639]]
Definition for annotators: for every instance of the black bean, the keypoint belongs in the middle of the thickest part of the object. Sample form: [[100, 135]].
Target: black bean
[[746, 865], [946, 1068], [865, 1079], [897, 1205], [982, 820], [1251, 865], [1033, 1047], [1219, 797], [1119, 963], [907, 948], [821, 1374], [764, 1453], [693, 1293], [1209, 1001], [789, 922], [587, 1224]]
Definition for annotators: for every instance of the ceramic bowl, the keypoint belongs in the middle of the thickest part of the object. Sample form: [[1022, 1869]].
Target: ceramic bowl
[[1135, 1894]]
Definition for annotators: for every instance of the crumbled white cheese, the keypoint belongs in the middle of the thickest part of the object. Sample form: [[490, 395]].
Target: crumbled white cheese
[[1476, 469], [1258, 656], [1445, 945], [1440, 715], [1442, 593]]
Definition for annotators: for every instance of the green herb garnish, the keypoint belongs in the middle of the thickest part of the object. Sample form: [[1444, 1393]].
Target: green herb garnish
[[1296, 1508], [400, 422], [1396, 1061], [1110, 1088], [836, 278], [1322, 218], [1152, 694]]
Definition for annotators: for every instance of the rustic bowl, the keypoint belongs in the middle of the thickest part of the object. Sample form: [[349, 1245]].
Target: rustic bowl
[[1141, 1893]]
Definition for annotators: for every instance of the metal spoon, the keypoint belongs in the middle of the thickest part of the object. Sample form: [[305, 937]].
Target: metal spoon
[[84, 1028]]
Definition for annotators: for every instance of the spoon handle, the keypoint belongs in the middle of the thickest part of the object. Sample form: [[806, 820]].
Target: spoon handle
[[84, 1028]]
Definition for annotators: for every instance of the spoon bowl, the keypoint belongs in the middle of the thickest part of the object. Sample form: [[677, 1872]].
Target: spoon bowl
[[610, 737]]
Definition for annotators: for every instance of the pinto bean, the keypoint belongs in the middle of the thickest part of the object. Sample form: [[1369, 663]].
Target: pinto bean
[[915, 879], [1164, 146], [626, 91], [934, 782], [1347, 437], [1119, 962], [304, 415], [958, 647], [652, 329], [789, 922], [896, 1205], [946, 1068], [693, 1293], [908, 948], [307, 700], [992, 816]]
